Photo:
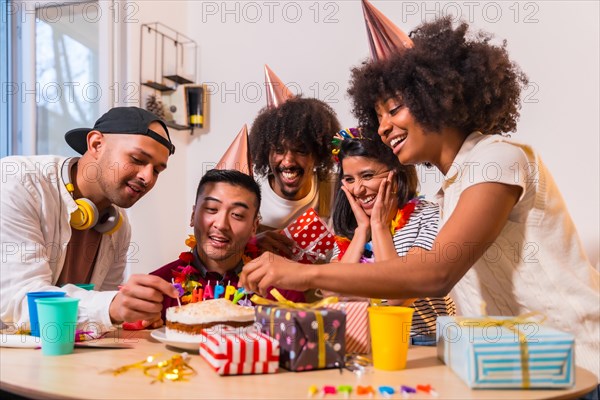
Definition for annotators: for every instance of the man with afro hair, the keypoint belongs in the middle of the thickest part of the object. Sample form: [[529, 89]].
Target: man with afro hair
[[291, 151]]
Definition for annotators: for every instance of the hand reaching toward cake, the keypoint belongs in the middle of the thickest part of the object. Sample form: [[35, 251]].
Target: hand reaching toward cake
[[141, 298], [270, 270]]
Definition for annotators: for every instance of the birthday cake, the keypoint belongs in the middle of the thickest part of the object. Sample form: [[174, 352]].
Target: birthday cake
[[185, 322]]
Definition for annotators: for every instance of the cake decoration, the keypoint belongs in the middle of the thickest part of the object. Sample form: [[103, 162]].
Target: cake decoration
[[186, 322]]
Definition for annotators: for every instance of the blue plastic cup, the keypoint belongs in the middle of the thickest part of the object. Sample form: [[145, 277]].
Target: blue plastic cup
[[58, 322], [33, 314]]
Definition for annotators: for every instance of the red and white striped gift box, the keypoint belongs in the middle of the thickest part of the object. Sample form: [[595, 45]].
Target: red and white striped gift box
[[236, 352], [358, 339]]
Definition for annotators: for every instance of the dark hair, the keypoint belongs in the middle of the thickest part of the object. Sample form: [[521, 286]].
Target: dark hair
[[308, 123], [344, 221], [446, 80], [232, 177]]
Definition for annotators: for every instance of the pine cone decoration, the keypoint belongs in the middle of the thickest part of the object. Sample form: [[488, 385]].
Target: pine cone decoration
[[155, 106]]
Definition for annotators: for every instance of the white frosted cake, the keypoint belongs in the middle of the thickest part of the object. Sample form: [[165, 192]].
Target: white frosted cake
[[186, 322]]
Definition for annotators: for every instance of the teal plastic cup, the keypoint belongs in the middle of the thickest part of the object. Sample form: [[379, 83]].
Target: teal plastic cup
[[86, 286], [33, 314], [58, 322]]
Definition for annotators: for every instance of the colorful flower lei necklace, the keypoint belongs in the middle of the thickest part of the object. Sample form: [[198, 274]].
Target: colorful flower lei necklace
[[399, 221], [186, 280]]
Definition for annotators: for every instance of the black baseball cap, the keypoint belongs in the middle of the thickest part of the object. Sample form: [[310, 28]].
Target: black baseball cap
[[121, 120]]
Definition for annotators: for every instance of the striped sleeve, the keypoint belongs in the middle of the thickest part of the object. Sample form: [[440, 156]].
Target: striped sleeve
[[426, 312], [420, 230]]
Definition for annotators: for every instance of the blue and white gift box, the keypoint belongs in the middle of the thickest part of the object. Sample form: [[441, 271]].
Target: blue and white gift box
[[496, 353]]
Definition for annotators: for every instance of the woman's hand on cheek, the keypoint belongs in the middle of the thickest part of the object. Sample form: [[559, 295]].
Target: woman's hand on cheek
[[386, 202], [362, 219]]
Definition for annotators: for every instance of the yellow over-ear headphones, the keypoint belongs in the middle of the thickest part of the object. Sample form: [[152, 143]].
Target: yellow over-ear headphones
[[87, 216]]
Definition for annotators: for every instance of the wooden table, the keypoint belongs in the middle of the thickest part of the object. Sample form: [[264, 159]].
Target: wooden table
[[27, 372]]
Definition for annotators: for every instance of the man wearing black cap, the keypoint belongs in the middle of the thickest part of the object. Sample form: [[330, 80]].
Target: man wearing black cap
[[61, 221]]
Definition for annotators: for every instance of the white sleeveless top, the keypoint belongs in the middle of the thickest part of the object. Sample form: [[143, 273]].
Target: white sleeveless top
[[537, 263]]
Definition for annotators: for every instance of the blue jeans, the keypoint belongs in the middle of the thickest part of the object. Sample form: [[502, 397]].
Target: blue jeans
[[423, 340]]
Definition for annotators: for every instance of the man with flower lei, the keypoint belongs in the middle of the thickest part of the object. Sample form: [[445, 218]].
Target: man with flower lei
[[225, 219], [378, 215]]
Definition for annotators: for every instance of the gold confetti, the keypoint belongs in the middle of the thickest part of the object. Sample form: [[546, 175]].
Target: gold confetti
[[174, 369]]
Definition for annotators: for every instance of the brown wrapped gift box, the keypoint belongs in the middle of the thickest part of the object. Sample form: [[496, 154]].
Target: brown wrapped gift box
[[309, 338]]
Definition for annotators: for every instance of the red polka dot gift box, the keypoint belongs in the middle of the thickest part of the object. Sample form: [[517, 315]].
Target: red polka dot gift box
[[314, 241]]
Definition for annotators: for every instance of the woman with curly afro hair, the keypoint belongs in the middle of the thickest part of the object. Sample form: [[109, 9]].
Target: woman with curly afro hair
[[291, 152], [506, 238]]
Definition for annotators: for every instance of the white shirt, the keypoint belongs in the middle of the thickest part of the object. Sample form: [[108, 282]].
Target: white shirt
[[35, 230], [277, 212], [537, 263]]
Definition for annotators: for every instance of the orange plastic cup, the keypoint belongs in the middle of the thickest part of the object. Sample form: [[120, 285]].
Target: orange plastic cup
[[390, 335]]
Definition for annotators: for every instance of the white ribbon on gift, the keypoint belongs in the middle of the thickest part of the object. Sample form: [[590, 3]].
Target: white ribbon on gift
[[310, 253]]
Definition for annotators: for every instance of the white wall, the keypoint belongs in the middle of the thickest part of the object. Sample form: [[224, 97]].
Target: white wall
[[159, 220], [313, 45]]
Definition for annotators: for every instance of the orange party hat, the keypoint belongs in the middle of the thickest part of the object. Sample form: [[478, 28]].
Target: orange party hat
[[237, 155], [277, 92], [385, 38]]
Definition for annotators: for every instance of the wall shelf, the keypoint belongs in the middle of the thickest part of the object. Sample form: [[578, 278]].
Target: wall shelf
[[168, 59], [158, 86], [178, 79], [177, 126], [166, 54]]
